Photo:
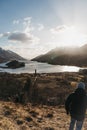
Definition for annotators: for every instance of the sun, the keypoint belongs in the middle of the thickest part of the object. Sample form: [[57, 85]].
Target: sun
[[68, 36], [72, 37]]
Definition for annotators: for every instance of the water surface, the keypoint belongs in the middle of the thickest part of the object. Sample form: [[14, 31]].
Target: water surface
[[30, 67]]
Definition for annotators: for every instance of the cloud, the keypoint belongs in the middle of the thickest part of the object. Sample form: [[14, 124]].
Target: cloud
[[24, 21], [6, 34], [20, 37], [27, 21], [27, 25], [28, 29], [16, 22], [23, 37], [1, 35], [58, 29], [40, 27]]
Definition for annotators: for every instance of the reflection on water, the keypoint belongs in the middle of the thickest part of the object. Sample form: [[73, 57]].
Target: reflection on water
[[30, 67], [71, 68]]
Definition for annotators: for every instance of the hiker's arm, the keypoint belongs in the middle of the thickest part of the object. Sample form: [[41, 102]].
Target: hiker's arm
[[67, 103]]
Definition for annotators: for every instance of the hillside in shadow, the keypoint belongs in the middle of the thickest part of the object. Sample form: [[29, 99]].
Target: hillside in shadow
[[65, 56]]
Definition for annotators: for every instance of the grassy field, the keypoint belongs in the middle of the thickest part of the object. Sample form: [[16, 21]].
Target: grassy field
[[46, 110], [27, 117]]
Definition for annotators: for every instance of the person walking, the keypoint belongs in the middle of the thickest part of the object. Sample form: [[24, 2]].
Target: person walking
[[75, 105]]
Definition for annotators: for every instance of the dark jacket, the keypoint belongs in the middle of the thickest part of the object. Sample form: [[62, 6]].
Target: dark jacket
[[76, 104]]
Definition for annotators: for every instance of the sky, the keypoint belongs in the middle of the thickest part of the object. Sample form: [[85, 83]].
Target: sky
[[34, 27]]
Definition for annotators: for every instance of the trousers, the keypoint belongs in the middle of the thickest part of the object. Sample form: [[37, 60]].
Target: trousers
[[75, 124]]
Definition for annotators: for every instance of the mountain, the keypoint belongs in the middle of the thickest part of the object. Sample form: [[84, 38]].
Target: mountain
[[6, 55], [65, 56]]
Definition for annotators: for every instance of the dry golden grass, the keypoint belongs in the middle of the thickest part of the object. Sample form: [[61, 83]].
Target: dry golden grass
[[30, 117]]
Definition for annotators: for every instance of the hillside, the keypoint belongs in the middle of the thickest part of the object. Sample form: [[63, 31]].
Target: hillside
[[6, 55], [65, 56]]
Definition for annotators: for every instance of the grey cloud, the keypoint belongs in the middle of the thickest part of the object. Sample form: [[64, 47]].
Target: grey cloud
[[23, 37], [6, 34]]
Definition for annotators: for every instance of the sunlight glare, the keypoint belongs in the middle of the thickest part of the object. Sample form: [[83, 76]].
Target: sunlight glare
[[71, 68], [69, 36]]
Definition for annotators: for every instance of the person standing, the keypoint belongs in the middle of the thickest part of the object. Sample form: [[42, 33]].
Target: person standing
[[76, 105]]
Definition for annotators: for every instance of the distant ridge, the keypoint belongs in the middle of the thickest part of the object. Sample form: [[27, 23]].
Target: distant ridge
[[65, 56], [6, 55]]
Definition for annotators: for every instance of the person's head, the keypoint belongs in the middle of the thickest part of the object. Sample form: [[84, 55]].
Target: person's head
[[81, 85], [80, 90]]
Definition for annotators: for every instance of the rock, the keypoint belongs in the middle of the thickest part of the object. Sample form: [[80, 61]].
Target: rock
[[15, 64], [28, 119], [49, 115], [7, 113], [33, 113], [19, 122], [40, 119]]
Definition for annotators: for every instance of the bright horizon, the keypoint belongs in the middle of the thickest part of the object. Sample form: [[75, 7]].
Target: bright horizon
[[31, 28]]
